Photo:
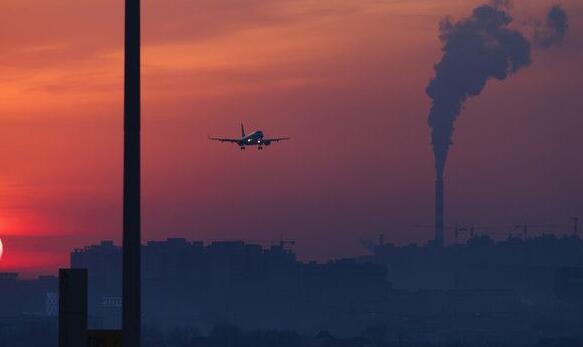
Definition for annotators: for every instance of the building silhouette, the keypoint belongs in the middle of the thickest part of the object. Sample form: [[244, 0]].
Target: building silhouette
[[511, 292], [33, 297], [244, 284]]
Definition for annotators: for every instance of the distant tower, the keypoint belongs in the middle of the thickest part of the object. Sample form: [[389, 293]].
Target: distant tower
[[131, 179], [439, 224]]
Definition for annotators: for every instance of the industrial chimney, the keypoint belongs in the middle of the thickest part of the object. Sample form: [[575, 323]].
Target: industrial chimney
[[439, 225], [131, 179]]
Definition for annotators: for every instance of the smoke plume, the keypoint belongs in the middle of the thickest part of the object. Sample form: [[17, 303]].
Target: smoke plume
[[554, 30], [475, 50]]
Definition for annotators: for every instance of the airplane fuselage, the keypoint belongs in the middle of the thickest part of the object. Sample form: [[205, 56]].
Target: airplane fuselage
[[253, 139]]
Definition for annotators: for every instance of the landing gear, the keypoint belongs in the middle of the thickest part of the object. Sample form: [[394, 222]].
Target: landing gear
[[242, 148], [259, 148]]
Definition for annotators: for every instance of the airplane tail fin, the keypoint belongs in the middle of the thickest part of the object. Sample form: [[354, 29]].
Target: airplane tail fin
[[242, 130]]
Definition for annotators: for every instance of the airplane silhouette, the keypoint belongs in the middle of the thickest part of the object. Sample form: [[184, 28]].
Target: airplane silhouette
[[255, 138]]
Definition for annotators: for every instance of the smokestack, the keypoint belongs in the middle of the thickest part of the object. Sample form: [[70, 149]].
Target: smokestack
[[475, 50], [439, 220], [131, 179]]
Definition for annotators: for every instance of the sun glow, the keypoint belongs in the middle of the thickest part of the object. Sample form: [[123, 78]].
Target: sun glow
[[1, 249]]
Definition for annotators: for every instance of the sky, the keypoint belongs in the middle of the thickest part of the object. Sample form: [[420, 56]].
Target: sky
[[345, 79]]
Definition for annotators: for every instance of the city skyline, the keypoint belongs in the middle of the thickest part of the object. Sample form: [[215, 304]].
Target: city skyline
[[351, 94]]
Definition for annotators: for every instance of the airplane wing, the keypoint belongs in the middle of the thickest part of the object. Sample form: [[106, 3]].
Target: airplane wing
[[277, 139], [224, 139]]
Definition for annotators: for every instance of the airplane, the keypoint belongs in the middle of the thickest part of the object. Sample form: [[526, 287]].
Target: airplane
[[255, 138]]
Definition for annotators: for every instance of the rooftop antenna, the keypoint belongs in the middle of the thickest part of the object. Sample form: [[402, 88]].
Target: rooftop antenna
[[575, 225]]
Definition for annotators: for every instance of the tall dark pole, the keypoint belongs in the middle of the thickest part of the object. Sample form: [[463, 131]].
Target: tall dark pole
[[131, 179]]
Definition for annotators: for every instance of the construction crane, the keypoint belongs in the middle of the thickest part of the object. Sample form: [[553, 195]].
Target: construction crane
[[523, 230], [469, 230]]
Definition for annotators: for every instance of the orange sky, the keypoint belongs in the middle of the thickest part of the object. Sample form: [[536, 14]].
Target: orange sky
[[345, 79]]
